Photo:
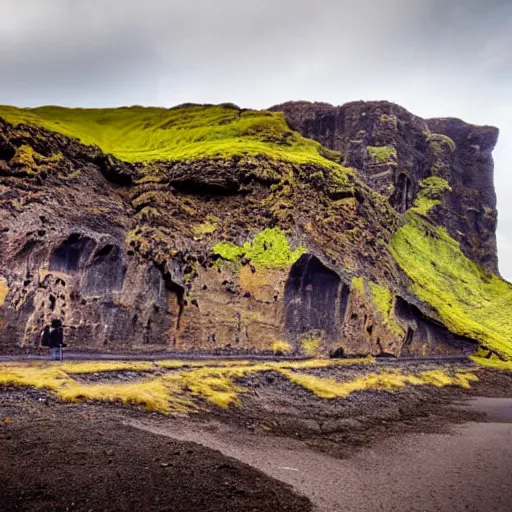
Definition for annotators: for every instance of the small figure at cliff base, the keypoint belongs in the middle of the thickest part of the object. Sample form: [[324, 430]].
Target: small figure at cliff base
[[53, 338]]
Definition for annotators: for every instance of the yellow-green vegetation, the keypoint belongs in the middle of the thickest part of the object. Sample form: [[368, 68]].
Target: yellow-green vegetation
[[311, 345], [4, 290], [209, 226], [281, 347], [386, 380], [494, 363], [105, 366], [358, 284], [189, 132], [430, 194], [383, 299], [382, 154], [469, 301], [269, 249], [189, 386], [31, 160], [165, 386]]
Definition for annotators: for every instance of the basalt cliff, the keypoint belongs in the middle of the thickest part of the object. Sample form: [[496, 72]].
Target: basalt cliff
[[306, 229]]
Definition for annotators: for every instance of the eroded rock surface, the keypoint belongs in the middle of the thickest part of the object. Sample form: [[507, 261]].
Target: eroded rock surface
[[240, 255]]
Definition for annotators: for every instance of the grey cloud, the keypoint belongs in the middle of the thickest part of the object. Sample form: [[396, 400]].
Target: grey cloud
[[435, 57]]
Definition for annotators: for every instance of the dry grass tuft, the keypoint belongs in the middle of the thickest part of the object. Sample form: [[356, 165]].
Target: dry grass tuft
[[388, 380]]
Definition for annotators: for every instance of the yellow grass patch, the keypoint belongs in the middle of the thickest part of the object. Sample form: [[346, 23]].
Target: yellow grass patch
[[281, 347], [107, 366], [151, 394], [214, 382], [388, 380], [497, 364]]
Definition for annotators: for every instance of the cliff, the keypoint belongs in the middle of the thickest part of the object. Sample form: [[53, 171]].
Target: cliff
[[394, 151], [219, 229]]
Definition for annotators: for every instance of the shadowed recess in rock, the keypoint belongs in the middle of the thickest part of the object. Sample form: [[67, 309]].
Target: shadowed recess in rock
[[426, 336], [312, 298], [106, 272], [71, 254]]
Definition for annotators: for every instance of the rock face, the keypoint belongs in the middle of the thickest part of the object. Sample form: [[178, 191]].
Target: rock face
[[394, 151], [243, 254]]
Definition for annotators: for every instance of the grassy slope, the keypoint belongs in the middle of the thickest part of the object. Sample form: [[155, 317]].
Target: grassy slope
[[139, 134], [469, 301]]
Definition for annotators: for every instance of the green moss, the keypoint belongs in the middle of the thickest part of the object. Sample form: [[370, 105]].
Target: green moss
[[382, 154], [31, 161], [358, 284], [431, 192], [24, 157], [208, 227], [494, 363], [228, 251], [439, 139], [469, 301], [311, 344], [281, 348], [383, 299], [192, 132], [269, 249]]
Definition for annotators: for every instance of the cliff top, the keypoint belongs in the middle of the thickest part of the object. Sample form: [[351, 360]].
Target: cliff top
[[188, 132]]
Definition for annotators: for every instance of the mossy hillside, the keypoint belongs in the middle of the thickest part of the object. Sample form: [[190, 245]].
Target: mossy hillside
[[382, 154], [384, 300], [469, 302], [139, 134], [269, 249], [430, 194]]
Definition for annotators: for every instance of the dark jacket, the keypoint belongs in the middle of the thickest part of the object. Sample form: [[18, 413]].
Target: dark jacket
[[56, 337], [45, 337]]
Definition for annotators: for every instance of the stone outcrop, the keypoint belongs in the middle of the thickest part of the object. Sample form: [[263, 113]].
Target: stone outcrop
[[242, 255], [394, 151]]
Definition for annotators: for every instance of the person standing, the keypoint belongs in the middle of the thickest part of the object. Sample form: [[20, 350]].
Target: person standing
[[56, 340]]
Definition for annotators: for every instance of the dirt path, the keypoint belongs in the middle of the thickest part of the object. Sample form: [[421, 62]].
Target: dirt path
[[70, 355], [470, 470]]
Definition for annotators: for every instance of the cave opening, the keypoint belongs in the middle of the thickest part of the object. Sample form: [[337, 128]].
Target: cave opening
[[179, 292], [315, 298], [71, 253]]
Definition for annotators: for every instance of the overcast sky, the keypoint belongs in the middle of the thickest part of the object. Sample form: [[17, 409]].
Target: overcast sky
[[434, 57]]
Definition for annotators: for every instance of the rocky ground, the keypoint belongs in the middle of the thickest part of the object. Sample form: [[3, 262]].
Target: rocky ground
[[281, 449]]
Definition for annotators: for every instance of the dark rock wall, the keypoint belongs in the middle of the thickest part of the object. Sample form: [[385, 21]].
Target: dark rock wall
[[412, 149]]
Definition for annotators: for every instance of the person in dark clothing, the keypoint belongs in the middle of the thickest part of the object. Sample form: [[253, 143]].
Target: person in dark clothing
[[56, 340]]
